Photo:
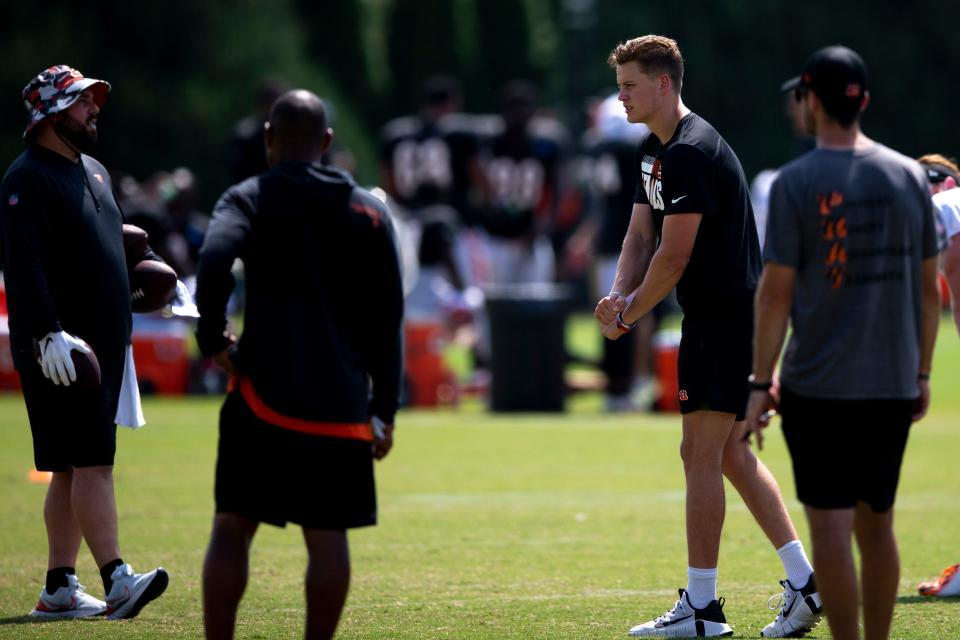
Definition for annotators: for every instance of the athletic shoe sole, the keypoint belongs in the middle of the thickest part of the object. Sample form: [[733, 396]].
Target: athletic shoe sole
[[65, 615], [153, 591], [704, 629]]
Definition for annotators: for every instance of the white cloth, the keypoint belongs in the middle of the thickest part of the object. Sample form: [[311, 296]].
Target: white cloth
[[129, 411], [948, 205], [760, 198]]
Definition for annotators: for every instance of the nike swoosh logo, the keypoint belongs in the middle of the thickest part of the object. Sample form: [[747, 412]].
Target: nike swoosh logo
[[676, 620], [790, 608], [676, 200]]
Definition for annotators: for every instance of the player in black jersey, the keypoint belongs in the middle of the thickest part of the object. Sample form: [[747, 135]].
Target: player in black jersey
[[67, 287], [430, 158], [692, 227], [521, 162]]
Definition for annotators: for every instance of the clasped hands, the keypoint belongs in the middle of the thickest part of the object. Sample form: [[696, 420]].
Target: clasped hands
[[606, 314]]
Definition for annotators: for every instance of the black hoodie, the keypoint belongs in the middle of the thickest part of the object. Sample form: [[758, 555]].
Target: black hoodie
[[324, 300]]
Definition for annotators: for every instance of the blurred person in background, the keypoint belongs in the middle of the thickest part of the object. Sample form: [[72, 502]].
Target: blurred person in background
[[245, 151], [610, 146], [944, 175], [429, 158], [188, 223], [763, 181], [521, 161]]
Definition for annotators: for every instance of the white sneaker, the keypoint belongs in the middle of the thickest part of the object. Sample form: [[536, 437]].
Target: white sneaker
[[70, 601], [685, 621], [946, 586], [800, 611], [131, 591]]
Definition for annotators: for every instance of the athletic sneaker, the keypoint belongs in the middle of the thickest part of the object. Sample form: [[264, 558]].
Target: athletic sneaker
[[131, 591], [800, 611], [946, 586], [686, 621], [70, 601]]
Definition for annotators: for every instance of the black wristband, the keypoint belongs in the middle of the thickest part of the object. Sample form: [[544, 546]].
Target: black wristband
[[923, 376], [758, 386], [623, 326]]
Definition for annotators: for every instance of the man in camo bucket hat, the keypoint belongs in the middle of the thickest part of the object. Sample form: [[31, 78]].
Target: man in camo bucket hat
[[65, 272], [56, 89]]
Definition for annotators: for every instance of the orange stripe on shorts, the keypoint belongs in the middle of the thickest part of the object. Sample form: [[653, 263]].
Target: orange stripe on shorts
[[350, 430]]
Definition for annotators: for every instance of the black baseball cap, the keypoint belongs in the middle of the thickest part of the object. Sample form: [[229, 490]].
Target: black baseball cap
[[838, 76]]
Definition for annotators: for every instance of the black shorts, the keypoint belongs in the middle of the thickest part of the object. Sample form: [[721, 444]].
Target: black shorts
[[275, 475], [845, 451], [70, 427], [715, 358]]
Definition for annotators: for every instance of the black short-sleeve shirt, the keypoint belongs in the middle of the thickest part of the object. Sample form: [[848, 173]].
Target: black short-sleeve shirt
[[696, 171]]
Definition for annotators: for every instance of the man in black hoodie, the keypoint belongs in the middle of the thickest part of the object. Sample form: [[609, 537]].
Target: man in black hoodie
[[314, 385]]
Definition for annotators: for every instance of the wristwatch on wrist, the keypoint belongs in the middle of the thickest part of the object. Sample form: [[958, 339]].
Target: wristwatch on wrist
[[756, 385]]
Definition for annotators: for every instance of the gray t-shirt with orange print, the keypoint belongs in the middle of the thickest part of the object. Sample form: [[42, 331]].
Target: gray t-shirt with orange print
[[856, 226]]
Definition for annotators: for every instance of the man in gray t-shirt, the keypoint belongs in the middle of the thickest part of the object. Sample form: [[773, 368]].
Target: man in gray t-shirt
[[856, 246], [851, 260]]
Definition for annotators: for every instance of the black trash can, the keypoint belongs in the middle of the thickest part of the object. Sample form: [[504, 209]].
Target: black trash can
[[527, 346]]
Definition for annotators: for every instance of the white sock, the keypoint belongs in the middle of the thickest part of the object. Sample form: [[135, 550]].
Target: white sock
[[701, 586], [795, 563]]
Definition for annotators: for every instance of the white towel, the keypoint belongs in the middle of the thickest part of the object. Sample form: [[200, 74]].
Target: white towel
[[129, 411]]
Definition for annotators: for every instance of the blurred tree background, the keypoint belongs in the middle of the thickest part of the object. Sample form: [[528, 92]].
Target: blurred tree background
[[184, 71]]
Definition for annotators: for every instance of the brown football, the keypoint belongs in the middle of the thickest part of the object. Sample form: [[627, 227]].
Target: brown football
[[135, 242], [86, 365], [152, 286]]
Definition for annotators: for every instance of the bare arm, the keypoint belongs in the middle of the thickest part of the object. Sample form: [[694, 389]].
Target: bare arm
[[667, 265], [771, 311], [638, 247], [771, 315]]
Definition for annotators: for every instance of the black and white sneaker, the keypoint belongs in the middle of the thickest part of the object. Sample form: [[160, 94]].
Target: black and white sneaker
[[800, 611], [685, 621], [131, 591]]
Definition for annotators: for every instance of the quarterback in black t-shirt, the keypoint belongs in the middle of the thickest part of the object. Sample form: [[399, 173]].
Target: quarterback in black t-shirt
[[692, 227]]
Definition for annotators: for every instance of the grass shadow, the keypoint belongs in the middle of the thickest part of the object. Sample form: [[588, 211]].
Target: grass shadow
[[28, 619], [927, 599], [21, 619]]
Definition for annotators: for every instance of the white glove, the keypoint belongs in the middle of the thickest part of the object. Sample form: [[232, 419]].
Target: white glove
[[182, 305], [55, 360]]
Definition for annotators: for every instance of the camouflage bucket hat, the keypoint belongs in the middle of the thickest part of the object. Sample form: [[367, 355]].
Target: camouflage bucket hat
[[55, 89]]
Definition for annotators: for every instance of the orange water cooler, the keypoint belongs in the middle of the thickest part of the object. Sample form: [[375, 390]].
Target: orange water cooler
[[666, 348], [430, 382]]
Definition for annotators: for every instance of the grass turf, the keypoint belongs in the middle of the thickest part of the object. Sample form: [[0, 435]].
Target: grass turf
[[491, 526]]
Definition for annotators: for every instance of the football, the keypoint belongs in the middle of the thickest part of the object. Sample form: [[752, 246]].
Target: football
[[86, 365], [135, 242], [152, 286]]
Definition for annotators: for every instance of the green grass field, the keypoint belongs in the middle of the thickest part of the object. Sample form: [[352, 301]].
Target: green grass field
[[491, 526]]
